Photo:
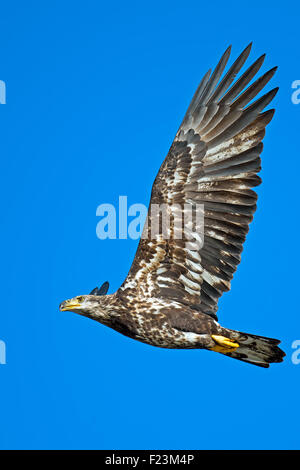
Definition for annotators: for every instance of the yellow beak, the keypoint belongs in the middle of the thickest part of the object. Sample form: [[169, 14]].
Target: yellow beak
[[69, 305]]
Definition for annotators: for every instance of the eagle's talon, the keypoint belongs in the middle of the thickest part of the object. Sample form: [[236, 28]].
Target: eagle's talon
[[224, 342]]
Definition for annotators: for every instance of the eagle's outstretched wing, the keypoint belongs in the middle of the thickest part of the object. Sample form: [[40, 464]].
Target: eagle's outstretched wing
[[214, 161]]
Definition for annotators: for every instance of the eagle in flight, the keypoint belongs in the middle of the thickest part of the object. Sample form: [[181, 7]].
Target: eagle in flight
[[170, 296]]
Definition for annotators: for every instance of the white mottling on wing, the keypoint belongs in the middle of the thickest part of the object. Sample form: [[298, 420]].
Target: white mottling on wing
[[210, 278], [190, 284]]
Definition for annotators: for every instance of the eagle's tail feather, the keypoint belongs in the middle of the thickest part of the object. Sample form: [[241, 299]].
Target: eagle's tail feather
[[257, 350]]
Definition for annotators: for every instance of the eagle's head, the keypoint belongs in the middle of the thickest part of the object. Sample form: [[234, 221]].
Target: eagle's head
[[90, 306], [96, 305]]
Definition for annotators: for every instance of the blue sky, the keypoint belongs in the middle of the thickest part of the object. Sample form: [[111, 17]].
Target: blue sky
[[95, 94]]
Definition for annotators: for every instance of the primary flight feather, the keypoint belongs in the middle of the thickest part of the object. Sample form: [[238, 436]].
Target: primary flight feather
[[170, 296]]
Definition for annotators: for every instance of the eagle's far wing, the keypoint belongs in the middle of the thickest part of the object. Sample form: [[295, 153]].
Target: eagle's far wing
[[214, 161]]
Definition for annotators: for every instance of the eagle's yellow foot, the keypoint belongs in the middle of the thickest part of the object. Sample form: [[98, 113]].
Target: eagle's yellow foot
[[223, 345]]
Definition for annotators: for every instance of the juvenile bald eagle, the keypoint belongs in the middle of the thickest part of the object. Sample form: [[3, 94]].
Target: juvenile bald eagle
[[170, 296]]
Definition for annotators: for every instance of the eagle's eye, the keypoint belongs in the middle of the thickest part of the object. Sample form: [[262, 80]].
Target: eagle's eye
[[80, 299]]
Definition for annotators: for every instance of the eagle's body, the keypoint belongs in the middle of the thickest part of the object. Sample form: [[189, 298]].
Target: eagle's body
[[170, 296], [160, 322]]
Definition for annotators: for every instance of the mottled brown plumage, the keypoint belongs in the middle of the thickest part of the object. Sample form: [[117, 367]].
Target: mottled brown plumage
[[170, 296]]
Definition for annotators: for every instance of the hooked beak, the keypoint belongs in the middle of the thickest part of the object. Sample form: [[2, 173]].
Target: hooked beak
[[70, 304]]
